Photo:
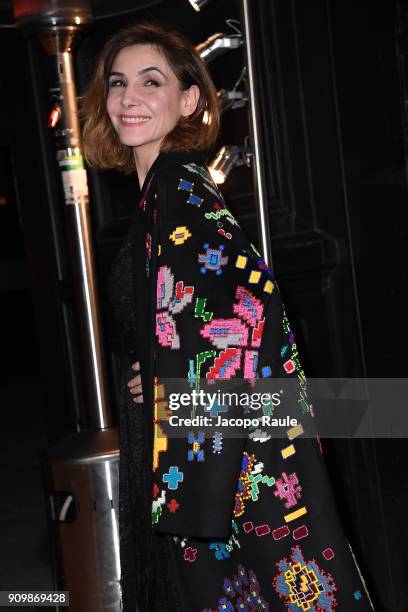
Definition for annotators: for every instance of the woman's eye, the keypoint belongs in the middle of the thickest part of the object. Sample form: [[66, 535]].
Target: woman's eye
[[116, 83], [152, 82]]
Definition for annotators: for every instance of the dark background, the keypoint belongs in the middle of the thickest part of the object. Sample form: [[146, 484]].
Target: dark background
[[332, 79]]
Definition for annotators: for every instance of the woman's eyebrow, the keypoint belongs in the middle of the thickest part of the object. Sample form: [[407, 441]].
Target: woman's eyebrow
[[143, 71], [149, 68]]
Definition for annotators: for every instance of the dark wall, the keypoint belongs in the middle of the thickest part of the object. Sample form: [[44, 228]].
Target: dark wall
[[333, 104]]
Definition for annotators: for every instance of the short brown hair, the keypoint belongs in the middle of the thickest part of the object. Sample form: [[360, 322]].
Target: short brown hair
[[101, 144]]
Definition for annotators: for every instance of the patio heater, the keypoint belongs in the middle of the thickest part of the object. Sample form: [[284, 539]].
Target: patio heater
[[81, 471]]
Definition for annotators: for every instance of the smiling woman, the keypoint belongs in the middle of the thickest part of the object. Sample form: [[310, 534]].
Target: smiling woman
[[208, 521]]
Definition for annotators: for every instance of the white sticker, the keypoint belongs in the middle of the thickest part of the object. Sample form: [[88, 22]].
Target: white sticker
[[75, 184]]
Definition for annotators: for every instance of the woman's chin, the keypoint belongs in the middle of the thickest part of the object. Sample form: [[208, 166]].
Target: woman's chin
[[133, 142]]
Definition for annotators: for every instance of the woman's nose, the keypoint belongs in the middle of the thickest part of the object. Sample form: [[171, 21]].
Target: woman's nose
[[131, 97]]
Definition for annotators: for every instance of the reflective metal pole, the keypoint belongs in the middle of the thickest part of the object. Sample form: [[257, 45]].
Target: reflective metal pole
[[256, 139], [75, 185], [56, 26]]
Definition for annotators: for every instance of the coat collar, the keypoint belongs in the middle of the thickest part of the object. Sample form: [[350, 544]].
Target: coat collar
[[166, 159]]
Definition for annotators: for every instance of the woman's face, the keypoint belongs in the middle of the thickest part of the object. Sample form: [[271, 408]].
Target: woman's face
[[144, 100]]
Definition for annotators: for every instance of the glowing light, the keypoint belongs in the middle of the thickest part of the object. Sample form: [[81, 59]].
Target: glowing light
[[227, 158], [218, 176], [195, 5], [54, 117], [199, 4]]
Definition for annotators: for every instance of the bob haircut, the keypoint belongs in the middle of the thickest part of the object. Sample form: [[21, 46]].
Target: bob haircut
[[101, 144]]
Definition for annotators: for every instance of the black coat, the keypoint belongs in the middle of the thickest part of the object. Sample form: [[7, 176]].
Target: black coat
[[198, 304]]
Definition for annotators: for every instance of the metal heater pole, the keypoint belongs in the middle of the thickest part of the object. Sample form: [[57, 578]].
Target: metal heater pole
[[75, 185], [256, 138], [56, 26]]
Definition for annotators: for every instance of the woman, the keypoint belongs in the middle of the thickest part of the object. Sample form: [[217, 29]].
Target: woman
[[235, 523]]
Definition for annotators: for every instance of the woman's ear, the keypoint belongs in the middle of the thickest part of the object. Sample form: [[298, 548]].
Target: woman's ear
[[190, 100]]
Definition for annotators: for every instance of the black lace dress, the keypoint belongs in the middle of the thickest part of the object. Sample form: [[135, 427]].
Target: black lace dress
[[143, 554]]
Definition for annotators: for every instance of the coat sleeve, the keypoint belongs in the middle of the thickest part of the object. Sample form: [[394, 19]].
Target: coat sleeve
[[215, 297]]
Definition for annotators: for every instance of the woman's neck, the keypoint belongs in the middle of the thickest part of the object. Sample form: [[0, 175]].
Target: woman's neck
[[144, 156]]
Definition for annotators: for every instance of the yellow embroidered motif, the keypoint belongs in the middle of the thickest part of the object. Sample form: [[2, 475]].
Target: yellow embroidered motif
[[254, 277], [241, 262], [160, 413], [269, 286], [180, 235]]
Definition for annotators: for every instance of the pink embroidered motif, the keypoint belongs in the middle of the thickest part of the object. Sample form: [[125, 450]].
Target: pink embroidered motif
[[250, 363], [226, 364], [169, 303], [223, 333], [249, 307], [228, 333], [166, 330], [287, 488]]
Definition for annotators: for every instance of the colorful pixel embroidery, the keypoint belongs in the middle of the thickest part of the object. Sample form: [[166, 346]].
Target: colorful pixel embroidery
[[148, 248], [225, 365], [226, 334], [241, 593], [171, 300], [288, 488], [196, 452], [185, 185], [212, 259], [173, 477], [255, 480], [173, 505], [223, 333], [221, 212], [249, 307], [303, 585], [222, 550], [180, 235], [222, 232], [192, 198], [205, 175], [244, 484], [200, 312], [157, 503], [190, 553], [300, 532], [161, 413], [293, 364], [217, 442]]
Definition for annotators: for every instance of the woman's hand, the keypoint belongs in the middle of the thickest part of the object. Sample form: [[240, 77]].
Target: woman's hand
[[135, 384]]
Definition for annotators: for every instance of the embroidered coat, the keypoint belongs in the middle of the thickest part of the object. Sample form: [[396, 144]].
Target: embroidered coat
[[249, 522]]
